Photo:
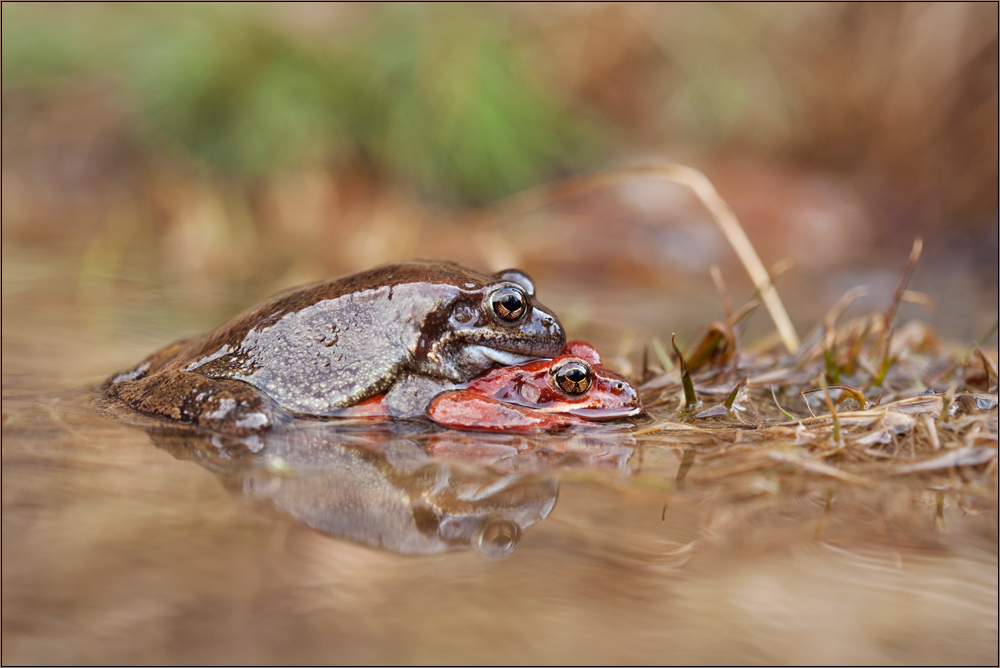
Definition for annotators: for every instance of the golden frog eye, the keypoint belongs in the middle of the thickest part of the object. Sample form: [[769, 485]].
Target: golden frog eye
[[574, 377], [509, 303]]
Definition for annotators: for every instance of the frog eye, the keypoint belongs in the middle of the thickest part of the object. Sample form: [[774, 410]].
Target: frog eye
[[573, 377], [509, 303], [496, 537]]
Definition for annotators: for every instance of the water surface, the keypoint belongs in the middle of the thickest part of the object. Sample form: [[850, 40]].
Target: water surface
[[386, 545]]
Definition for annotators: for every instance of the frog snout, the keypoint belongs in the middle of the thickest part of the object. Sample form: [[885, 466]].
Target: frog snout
[[551, 325], [540, 336], [625, 393]]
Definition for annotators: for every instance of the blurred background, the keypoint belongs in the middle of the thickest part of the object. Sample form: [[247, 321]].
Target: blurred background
[[202, 157], [166, 166]]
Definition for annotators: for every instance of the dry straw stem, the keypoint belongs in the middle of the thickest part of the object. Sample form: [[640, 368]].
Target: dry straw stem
[[826, 329], [689, 177], [833, 411], [904, 280], [890, 314], [720, 287], [988, 364], [929, 404]]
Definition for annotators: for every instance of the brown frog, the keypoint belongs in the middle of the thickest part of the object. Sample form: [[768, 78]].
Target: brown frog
[[409, 329]]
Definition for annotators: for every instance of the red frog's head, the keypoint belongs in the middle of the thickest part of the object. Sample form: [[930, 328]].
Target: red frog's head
[[574, 383]]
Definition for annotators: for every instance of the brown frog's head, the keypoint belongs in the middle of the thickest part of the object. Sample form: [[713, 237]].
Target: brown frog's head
[[492, 321]]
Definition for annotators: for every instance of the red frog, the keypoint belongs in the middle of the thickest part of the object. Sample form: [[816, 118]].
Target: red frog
[[573, 388]]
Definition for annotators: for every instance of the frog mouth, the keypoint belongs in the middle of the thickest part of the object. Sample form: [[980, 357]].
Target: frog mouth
[[609, 413], [502, 357]]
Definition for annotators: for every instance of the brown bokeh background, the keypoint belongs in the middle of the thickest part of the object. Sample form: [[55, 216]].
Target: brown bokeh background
[[165, 166], [223, 153]]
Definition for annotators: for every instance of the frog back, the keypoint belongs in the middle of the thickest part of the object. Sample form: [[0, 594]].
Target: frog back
[[330, 354]]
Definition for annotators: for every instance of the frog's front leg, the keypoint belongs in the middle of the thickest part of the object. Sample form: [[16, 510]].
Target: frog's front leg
[[218, 404], [464, 409]]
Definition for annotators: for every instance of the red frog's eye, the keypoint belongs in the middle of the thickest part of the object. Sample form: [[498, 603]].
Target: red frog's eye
[[573, 377]]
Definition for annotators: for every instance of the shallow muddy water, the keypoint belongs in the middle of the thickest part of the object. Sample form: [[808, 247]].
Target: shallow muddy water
[[354, 544]]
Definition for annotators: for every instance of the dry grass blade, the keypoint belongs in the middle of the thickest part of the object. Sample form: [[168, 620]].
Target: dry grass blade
[[816, 338], [946, 405], [890, 314], [673, 173], [904, 280], [661, 355], [833, 412], [927, 405], [990, 332], [720, 287], [924, 300], [847, 390], [989, 365], [783, 411]]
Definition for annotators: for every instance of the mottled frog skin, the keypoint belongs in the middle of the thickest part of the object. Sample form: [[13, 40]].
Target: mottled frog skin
[[316, 349]]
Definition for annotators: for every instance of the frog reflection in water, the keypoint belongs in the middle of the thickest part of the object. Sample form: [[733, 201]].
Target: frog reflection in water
[[374, 487], [408, 329], [543, 395]]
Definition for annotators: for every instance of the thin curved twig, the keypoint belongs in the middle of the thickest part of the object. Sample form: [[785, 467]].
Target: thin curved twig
[[703, 189]]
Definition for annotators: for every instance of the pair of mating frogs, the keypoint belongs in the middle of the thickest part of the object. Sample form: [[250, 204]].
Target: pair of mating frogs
[[404, 340]]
